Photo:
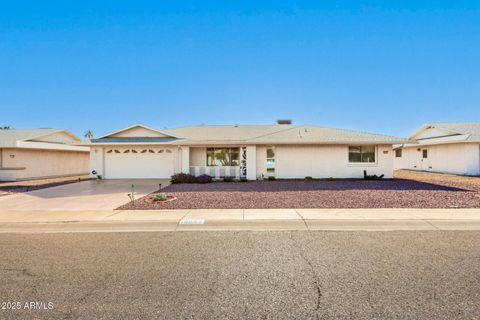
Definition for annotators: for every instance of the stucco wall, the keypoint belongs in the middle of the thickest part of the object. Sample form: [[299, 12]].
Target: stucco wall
[[96, 161], [198, 156], [42, 163], [261, 161], [456, 158], [324, 161], [291, 161]]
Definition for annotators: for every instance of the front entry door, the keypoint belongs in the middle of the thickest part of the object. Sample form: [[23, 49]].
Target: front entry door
[[424, 159]]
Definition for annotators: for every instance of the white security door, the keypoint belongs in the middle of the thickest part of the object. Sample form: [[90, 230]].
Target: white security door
[[425, 162], [138, 163]]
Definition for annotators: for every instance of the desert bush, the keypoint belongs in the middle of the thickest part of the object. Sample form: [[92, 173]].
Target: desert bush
[[271, 178], [371, 177], [204, 178], [160, 197], [308, 178], [228, 179], [331, 179], [182, 178]]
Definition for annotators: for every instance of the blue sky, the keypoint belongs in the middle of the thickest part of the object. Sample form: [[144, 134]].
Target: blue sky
[[378, 66]]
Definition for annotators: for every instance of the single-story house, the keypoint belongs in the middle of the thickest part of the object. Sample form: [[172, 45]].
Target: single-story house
[[41, 153], [242, 151], [442, 147]]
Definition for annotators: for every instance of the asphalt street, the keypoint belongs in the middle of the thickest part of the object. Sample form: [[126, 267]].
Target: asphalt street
[[242, 275]]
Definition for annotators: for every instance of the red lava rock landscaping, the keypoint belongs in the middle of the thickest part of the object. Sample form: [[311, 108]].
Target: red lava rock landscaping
[[348, 193]]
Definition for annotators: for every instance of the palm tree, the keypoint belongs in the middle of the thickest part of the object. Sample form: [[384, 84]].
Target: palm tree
[[88, 134]]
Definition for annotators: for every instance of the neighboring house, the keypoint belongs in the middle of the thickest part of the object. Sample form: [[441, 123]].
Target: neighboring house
[[242, 151], [442, 147], [41, 153]]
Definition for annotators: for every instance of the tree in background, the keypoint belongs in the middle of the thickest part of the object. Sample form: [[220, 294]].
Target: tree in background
[[5, 128], [88, 134]]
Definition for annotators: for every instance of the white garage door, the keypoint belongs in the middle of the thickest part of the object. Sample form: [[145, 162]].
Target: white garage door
[[138, 163]]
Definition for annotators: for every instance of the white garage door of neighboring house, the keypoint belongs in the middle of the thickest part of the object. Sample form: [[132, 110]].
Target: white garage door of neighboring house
[[138, 163]]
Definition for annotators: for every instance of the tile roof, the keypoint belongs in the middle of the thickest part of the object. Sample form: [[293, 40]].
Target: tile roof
[[314, 134], [10, 137], [265, 134], [259, 134], [226, 132], [467, 128]]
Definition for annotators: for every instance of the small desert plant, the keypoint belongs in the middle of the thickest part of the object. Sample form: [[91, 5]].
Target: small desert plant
[[160, 197], [371, 177], [308, 178], [228, 179], [331, 179], [99, 177], [204, 178], [271, 178], [182, 178]]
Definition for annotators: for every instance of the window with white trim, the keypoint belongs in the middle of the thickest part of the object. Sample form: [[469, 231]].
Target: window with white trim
[[361, 154], [223, 157], [271, 159]]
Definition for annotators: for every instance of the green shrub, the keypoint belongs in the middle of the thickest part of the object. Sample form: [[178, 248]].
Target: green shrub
[[308, 178], [331, 179], [160, 197], [271, 178], [228, 179], [182, 178]]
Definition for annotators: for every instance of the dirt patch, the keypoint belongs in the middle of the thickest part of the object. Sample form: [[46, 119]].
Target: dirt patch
[[347, 193]]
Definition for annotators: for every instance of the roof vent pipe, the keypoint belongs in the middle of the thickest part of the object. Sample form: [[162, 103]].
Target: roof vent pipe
[[284, 121]]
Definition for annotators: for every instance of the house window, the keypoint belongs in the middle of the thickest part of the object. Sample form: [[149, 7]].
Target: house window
[[223, 157], [398, 153], [271, 159], [425, 153], [361, 154]]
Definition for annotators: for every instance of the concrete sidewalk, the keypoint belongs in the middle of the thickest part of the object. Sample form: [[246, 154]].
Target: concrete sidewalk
[[239, 215], [240, 219]]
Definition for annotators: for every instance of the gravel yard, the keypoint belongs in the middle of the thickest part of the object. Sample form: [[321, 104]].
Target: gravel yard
[[408, 190]]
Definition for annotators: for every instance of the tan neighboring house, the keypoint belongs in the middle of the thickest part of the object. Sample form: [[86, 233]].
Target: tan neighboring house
[[41, 153], [442, 147], [247, 152]]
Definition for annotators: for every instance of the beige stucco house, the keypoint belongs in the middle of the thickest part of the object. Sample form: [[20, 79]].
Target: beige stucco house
[[442, 147], [242, 151], [41, 153]]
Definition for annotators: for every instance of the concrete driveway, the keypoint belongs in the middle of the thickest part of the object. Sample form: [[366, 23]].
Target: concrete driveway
[[85, 195]]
